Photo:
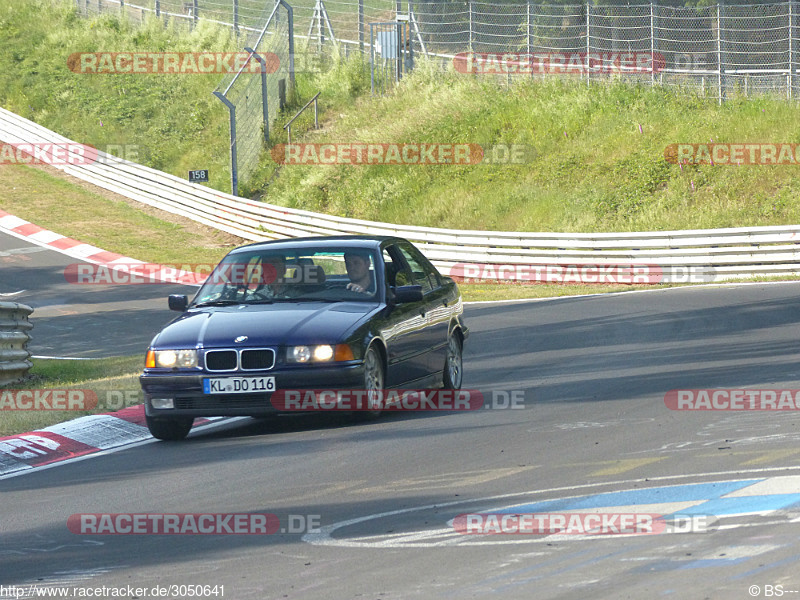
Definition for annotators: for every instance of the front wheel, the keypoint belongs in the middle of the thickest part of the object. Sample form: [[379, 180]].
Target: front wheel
[[171, 429], [452, 364], [373, 384]]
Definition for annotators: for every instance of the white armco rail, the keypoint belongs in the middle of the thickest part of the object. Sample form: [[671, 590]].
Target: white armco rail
[[646, 257]]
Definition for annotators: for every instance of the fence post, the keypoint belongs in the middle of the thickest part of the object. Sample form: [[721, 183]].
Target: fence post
[[361, 25], [652, 44], [470, 24], [158, 9], [195, 10], [528, 28], [320, 30], [234, 157], [719, 51], [790, 80], [236, 16], [264, 99], [290, 22], [588, 40]]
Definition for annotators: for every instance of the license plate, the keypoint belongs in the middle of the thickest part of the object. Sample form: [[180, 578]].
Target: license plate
[[238, 385]]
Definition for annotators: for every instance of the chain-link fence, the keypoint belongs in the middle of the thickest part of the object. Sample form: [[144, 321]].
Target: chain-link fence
[[256, 92], [723, 48]]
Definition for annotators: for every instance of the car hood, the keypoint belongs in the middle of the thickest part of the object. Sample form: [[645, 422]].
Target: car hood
[[265, 324]]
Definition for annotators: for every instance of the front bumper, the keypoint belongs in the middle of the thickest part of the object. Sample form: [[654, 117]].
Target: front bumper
[[186, 390]]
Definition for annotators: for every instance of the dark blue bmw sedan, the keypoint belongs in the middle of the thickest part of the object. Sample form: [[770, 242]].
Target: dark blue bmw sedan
[[335, 313]]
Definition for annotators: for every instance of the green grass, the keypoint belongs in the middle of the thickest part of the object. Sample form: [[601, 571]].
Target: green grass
[[113, 380], [591, 168], [111, 224], [174, 120]]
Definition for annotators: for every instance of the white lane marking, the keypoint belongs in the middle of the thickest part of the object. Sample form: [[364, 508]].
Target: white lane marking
[[323, 536], [775, 485]]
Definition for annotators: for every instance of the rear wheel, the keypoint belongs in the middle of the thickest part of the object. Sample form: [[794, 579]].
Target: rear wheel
[[452, 364], [374, 379], [169, 428]]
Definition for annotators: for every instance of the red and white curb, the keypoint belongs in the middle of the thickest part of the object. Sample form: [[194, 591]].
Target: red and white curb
[[77, 438], [92, 434], [40, 236]]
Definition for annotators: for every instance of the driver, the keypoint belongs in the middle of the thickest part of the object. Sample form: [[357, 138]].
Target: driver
[[361, 278]]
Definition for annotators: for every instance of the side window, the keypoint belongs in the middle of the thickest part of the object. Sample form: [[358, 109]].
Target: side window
[[391, 269], [421, 271]]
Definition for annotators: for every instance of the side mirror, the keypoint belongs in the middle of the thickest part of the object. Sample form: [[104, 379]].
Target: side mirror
[[407, 293], [178, 302]]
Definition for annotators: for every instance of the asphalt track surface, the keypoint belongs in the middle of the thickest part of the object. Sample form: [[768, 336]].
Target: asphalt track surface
[[593, 372], [77, 320]]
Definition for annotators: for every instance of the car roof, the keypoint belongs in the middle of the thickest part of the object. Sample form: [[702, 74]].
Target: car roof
[[338, 241]]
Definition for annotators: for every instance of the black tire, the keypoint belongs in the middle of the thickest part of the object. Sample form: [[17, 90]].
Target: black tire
[[453, 373], [374, 380], [171, 429]]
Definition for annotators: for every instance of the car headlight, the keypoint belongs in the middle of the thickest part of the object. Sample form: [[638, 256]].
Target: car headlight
[[319, 353], [171, 359]]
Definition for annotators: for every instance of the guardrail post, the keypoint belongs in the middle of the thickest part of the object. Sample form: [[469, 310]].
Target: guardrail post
[[14, 337]]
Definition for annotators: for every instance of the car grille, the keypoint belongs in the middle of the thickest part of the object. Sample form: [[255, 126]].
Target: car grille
[[221, 360], [253, 359], [222, 402]]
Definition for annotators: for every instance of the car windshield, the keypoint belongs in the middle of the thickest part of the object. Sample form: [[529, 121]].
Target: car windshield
[[301, 275]]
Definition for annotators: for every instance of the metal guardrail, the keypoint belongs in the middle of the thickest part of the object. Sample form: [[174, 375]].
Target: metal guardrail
[[14, 327], [714, 255]]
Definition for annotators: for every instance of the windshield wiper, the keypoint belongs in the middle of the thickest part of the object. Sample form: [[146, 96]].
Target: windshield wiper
[[307, 299], [215, 303]]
